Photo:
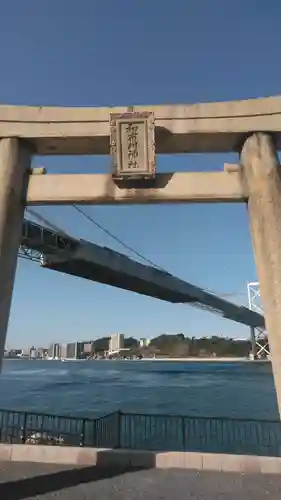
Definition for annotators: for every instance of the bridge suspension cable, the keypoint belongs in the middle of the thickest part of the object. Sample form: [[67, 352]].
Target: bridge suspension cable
[[91, 219], [113, 236], [134, 251]]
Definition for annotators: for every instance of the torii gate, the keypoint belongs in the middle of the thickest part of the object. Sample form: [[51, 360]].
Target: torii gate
[[133, 135]]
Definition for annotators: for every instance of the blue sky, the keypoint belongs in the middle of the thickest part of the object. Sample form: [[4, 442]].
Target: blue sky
[[91, 53]]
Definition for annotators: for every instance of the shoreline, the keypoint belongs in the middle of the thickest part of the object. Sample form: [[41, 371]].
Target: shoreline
[[205, 360], [159, 359]]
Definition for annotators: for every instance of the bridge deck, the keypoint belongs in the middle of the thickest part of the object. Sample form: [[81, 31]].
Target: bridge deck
[[106, 266], [93, 262]]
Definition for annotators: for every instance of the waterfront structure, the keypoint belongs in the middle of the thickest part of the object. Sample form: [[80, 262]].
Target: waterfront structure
[[63, 351], [144, 342], [80, 350], [37, 353], [14, 353], [40, 353], [71, 350], [89, 348], [75, 350], [32, 353], [116, 342], [54, 351], [248, 127]]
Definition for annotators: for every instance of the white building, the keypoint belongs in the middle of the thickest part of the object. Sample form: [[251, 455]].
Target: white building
[[54, 351], [63, 351], [116, 342], [144, 342]]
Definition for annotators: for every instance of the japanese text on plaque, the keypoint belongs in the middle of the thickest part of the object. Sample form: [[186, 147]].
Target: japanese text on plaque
[[132, 137]]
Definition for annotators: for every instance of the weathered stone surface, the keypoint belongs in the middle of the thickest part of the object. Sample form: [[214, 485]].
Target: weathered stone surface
[[132, 144], [263, 176], [14, 165], [100, 189], [184, 128]]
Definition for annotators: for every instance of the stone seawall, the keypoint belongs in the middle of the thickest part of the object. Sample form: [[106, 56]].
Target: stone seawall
[[139, 458]]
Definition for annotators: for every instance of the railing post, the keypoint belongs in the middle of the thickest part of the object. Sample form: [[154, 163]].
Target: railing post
[[183, 432], [118, 430], [94, 433], [82, 435], [23, 429]]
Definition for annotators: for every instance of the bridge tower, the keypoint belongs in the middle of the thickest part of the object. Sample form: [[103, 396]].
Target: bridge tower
[[259, 339]]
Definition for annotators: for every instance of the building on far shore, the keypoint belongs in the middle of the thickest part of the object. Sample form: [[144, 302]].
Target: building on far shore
[[80, 350], [144, 342], [63, 351], [89, 348], [54, 351], [14, 353], [116, 342], [71, 350]]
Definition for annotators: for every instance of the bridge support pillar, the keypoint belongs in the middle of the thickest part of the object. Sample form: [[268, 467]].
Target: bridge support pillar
[[14, 164], [262, 174]]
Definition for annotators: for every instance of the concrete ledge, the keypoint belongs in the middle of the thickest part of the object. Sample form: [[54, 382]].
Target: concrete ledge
[[139, 458]]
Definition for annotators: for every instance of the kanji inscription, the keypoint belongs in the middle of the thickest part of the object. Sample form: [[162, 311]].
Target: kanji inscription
[[132, 144]]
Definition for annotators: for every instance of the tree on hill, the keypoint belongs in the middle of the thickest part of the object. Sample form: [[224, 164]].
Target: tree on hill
[[101, 344], [180, 346], [131, 343]]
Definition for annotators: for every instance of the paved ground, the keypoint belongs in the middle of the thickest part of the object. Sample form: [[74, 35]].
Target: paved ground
[[26, 481]]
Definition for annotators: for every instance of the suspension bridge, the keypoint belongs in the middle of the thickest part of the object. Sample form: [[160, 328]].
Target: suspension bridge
[[60, 252]]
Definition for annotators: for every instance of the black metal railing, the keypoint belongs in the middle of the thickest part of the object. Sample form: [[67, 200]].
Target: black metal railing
[[210, 435], [149, 432], [28, 427]]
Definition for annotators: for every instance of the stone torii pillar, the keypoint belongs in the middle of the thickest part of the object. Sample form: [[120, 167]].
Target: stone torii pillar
[[14, 167], [262, 174]]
